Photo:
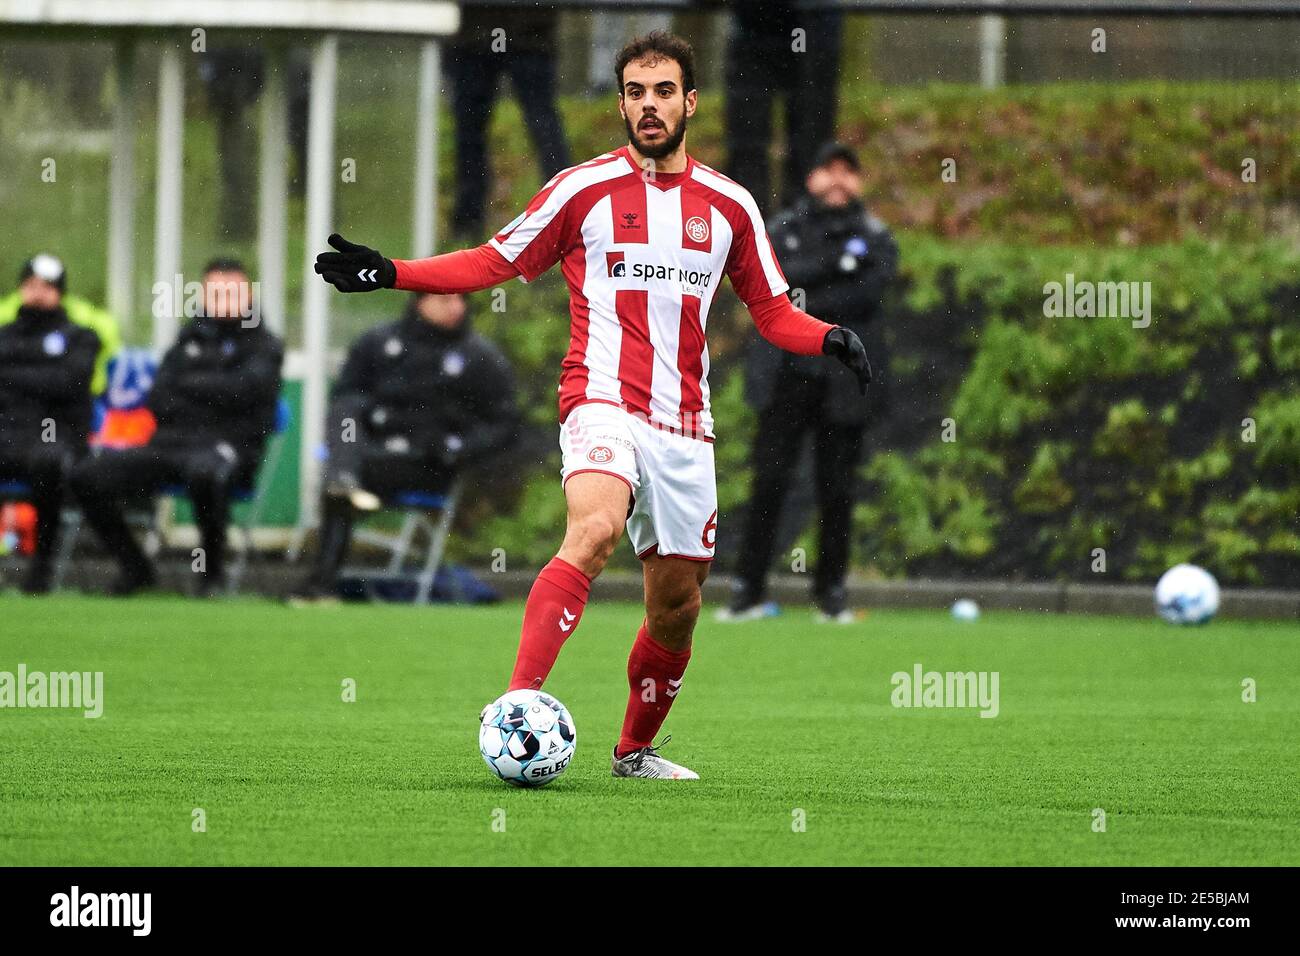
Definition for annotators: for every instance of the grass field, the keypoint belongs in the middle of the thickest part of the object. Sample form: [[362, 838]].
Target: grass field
[[236, 708]]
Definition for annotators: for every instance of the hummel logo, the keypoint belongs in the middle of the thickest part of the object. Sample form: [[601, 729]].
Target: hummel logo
[[629, 220], [673, 687], [566, 622], [367, 277]]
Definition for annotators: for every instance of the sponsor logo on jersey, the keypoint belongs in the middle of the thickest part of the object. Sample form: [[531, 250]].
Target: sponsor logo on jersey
[[693, 278], [615, 265]]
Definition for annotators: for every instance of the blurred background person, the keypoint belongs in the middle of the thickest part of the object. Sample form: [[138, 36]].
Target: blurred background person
[[496, 39], [843, 259], [765, 57], [214, 399], [418, 400], [233, 78], [81, 312], [47, 362], [610, 29]]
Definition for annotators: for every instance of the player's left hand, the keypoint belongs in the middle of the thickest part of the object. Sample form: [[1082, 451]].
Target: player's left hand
[[843, 344], [355, 268]]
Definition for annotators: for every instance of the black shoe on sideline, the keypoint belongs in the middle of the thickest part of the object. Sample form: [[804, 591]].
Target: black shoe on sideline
[[312, 592], [833, 607], [38, 579], [132, 582], [211, 585]]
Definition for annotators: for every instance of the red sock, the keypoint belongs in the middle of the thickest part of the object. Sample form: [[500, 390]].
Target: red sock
[[654, 675], [552, 613]]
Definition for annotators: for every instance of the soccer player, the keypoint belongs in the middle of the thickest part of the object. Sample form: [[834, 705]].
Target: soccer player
[[644, 235]]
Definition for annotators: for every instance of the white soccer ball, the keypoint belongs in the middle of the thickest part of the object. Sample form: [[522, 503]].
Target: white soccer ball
[[526, 738], [965, 610], [1186, 594]]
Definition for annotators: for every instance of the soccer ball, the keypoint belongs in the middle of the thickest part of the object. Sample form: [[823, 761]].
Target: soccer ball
[[526, 738], [1186, 594], [965, 610]]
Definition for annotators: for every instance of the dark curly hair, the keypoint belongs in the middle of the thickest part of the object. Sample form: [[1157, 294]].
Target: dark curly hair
[[660, 44]]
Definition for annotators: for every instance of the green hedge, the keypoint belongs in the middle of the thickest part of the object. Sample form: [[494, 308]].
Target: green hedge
[[1086, 433]]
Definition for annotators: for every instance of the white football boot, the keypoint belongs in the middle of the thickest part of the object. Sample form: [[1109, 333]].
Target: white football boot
[[646, 762]]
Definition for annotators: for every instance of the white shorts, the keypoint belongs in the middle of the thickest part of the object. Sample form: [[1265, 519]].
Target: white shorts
[[674, 493]]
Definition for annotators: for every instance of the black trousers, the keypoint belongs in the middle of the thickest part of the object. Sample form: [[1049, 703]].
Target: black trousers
[[474, 75], [46, 467], [380, 472], [777, 445], [760, 63], [105, 483]]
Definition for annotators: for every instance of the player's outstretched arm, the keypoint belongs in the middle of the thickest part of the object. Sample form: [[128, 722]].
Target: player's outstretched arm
[[796, 331], [355, 268]]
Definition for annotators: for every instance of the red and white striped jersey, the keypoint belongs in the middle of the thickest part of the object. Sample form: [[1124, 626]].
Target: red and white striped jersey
[[643, 254]]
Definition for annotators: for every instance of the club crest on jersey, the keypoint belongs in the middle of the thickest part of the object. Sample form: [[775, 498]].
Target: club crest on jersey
[[600, 455], [615, 264], [697, 230]]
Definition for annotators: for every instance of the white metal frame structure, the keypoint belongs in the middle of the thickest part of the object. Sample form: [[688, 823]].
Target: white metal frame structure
[[169, 23]]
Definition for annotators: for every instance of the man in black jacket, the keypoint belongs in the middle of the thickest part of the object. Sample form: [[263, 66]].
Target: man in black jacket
[[214, 399], [842, 259], [417, 401], [46, 365]]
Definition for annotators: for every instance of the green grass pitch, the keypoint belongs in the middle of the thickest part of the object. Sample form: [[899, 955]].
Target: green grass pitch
[[237, 709]]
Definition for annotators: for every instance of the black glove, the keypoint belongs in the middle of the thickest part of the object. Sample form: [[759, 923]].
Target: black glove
[[843, 344], [355, 268]]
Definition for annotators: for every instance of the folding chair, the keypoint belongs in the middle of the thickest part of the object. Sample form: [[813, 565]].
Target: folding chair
[[416, 522]]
